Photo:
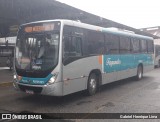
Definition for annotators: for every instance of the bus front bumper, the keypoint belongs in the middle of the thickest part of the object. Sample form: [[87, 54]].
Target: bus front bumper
[[51, 90]]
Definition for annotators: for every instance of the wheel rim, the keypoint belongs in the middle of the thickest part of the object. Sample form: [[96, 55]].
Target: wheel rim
[[140, 73], [93, 84]]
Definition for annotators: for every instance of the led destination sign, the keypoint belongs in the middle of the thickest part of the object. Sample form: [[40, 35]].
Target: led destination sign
[[44, 27]]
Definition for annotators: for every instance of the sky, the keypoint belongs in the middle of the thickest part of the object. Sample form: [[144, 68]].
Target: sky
[[133, 13]]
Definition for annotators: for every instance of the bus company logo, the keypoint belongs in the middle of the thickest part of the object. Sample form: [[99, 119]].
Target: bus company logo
[[24, 81], [111, 63]]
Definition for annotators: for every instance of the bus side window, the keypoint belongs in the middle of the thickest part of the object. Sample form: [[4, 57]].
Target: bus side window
[[135, 45], [143, 46], [72, 46], [66, 46], [124, 45], [111, 44], [95, 43], [77, 42]]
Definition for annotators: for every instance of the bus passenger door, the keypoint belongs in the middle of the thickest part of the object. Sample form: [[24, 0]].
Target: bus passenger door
[[72, 60]]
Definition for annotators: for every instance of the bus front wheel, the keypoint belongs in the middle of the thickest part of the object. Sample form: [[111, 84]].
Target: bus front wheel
[[139, 75], [92, 84]]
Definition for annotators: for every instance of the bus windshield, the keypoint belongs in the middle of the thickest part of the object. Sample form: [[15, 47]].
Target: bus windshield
[[36, 53]]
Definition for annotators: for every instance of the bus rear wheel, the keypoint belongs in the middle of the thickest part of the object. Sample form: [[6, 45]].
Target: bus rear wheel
[[92, 84], [139, 75]]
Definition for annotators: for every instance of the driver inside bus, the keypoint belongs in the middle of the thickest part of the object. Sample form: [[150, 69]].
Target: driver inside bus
[[44, 43], [42, 50]]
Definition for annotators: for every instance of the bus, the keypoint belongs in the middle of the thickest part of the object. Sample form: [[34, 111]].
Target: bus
[[60, 57], [157, 55]]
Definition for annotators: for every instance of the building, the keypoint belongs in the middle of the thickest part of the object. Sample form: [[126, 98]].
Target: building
[[16, 12], [152, 30]]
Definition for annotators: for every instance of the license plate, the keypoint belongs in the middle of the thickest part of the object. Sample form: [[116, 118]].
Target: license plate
[[29, 92]]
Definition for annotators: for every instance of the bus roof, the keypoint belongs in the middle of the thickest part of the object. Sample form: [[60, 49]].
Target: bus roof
[[93, 27]]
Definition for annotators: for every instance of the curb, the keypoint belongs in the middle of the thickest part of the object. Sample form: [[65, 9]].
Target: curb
[[6, 84]]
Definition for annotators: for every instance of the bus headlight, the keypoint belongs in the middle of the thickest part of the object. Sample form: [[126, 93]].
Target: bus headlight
[[15, 77], [53, 78]]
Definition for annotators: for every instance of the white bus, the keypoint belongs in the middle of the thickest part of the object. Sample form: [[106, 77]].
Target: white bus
[[157, 55], [60, 57]]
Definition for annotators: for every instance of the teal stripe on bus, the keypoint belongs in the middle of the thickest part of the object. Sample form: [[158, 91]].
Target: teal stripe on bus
[[35, 81], [112, 63]]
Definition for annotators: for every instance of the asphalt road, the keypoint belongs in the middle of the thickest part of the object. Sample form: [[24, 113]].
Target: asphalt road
[[125, 96]]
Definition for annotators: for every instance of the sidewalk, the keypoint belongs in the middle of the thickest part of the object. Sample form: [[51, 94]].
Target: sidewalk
[[6, 76]]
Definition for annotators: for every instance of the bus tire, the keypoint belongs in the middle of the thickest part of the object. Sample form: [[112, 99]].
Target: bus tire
[[139, 75], [92, 84]]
